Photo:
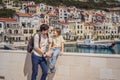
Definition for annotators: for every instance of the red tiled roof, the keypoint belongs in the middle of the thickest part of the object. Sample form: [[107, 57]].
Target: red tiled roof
[[8, 19], [23, 14], [56, 11], [99, 14], [51, 14], [91, 23], [63, 22]]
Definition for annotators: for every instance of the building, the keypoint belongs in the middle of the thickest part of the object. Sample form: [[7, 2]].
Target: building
[[2, 30], [51, 19], [31, 9], [30, 23], [8, 3], [63, 14], [12, 31], [42, 7]]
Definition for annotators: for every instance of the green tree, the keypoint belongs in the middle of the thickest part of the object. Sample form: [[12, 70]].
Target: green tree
[[0, 1], [111, 1], [6, 13]]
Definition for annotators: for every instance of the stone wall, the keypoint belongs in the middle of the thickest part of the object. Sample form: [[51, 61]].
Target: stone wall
[[16, 65]]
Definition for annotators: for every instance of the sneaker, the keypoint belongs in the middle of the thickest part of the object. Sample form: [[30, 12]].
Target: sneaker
[[53, 70], [49, 71]]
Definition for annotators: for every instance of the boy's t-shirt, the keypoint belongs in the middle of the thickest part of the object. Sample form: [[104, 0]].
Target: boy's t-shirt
[[56, 41]]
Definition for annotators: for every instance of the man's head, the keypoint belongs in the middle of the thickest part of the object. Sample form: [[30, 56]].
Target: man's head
[[44, 28]]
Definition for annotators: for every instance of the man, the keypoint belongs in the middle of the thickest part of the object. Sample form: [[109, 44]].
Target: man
[[39, 53]]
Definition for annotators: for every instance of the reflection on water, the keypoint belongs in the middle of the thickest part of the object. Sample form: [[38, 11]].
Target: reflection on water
[[74, 48]]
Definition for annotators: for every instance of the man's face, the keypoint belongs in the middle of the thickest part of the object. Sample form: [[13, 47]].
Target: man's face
[[45, 32]]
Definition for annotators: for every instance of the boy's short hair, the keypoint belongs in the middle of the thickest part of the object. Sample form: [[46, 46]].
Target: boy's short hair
[[58, 30], [44, 27]]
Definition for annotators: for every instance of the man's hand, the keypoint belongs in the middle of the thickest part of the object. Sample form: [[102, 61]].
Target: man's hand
[[48, 54]]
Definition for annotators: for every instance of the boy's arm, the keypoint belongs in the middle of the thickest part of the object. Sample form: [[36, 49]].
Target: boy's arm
[[50, 43], [49, 46], [62, 45], [62, 48]]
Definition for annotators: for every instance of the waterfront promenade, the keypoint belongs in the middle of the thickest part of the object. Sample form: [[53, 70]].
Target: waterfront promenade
[[16, 65]]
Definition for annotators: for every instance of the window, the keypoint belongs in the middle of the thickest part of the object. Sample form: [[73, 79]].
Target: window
[[23, 24], [15, 31], [78, 32], [19, 38], [29, 24], [81, 26], [26, 38], [8, 25], [78, 27], [31, 31], [37, 30], [10, 31], [14, 25], [0, 25], [25, 31]]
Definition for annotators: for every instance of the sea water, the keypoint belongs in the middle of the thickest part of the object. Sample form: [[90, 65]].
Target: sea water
[[74, 48]]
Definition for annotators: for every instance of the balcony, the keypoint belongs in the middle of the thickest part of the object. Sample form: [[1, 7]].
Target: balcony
[[16, 65]]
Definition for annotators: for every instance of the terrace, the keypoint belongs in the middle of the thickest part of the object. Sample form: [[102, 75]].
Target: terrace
[[16, 65]]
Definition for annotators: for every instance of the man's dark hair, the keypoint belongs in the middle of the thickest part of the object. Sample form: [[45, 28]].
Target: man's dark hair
[[44, 27]]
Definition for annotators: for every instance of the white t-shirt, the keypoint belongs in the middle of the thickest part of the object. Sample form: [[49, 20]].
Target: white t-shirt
[[43, 43], [56, 41]]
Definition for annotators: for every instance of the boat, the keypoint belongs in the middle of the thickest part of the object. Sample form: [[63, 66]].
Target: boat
[[9, 47], [88, 43]]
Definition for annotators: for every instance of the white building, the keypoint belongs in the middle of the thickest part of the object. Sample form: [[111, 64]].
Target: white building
[[1, 26], [63, 14], [36, 21], [26, 3], [2, 31], [12, 31], [30, 23], [8, 3], [42, 7], [23, 19]]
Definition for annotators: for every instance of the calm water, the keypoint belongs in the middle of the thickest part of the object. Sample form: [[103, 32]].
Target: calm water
[[74, 48]]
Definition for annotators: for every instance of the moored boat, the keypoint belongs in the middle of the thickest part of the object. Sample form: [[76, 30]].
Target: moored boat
[[90, 44]]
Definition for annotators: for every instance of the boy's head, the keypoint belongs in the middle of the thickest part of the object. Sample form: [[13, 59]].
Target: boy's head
[[57, 31]]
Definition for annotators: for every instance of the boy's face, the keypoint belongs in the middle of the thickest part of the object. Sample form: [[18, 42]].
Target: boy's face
[[55, 33]]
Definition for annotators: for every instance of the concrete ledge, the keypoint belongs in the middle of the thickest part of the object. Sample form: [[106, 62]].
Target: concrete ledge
[[16, 65], [69, 54]]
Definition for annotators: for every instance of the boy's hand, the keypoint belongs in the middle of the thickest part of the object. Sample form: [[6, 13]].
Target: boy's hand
[[61, 53]]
